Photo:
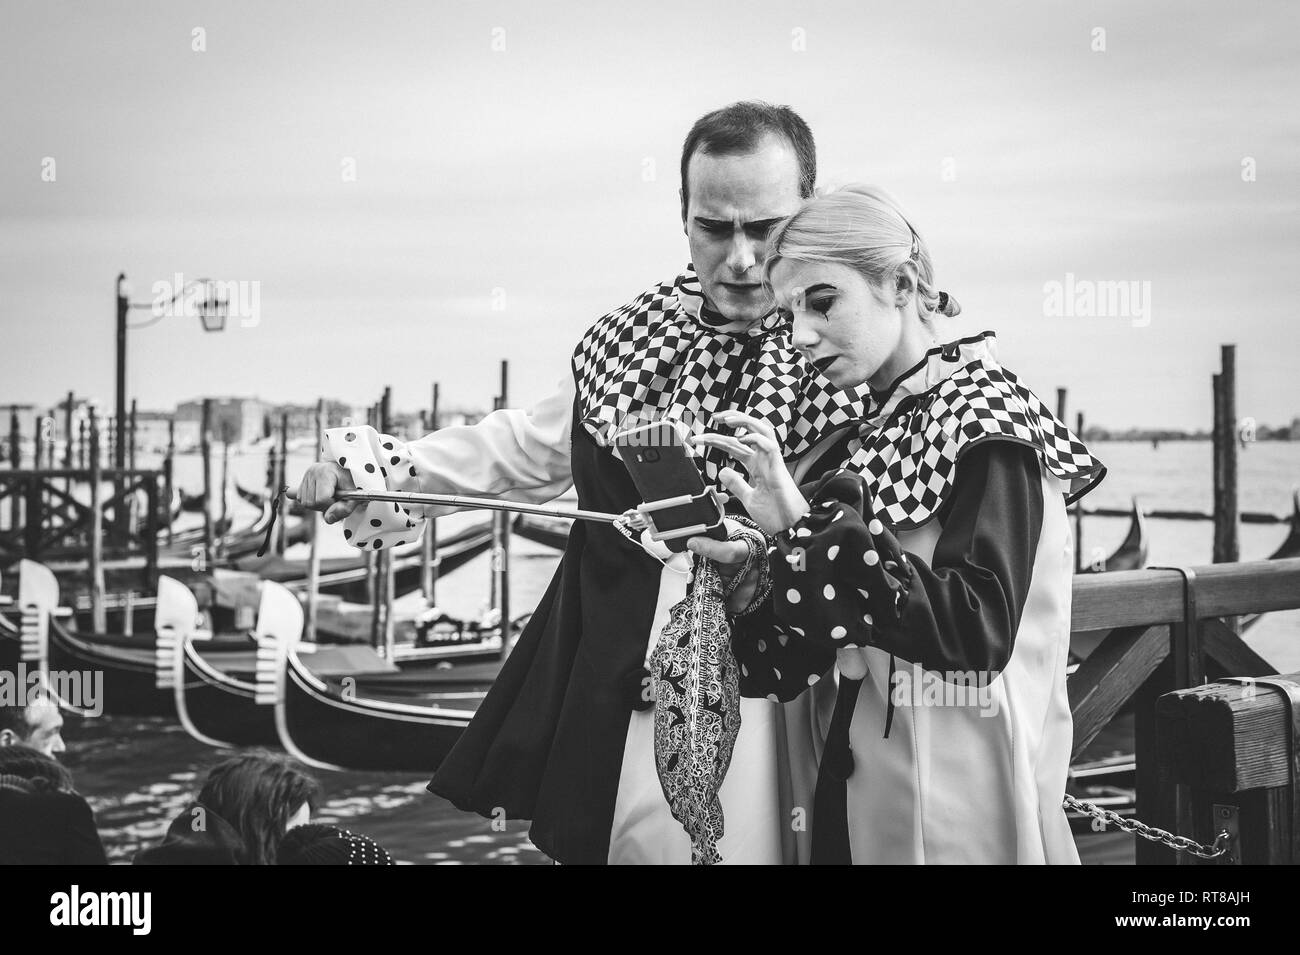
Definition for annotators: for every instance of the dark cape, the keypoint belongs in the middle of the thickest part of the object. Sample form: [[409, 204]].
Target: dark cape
[[40, 825]]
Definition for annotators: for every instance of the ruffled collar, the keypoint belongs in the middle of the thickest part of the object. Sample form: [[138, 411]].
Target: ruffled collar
[[939, 364], [694, 305]]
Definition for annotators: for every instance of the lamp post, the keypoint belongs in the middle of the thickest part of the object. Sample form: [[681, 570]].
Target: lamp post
[[212, 310]]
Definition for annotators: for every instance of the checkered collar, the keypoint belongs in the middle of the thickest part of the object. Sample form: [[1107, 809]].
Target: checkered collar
[[956, 397], [940, 362], [653, 359]]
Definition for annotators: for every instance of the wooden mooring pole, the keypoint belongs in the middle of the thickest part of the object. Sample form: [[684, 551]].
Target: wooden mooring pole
[[313, 555], [429, 543], [98, 623], [1226, 546], [501, 541], [205, 446], [281, 536]]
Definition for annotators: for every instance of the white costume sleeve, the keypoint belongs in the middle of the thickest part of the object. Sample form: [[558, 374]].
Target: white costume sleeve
[[520, 454]]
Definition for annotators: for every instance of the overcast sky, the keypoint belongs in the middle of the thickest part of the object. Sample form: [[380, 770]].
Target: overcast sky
[[516, 177]]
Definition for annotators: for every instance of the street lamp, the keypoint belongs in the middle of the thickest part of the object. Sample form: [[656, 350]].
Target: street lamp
[[212, 309]]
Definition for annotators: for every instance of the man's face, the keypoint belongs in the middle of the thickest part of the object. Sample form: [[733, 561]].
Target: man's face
[[733, 203], [46, 729]]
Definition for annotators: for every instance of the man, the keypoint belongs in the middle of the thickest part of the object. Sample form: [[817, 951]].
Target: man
[[37, 724], [565, 737]]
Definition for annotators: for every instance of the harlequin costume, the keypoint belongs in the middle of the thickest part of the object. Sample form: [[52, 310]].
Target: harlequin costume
[[920, 620], [565, 737]]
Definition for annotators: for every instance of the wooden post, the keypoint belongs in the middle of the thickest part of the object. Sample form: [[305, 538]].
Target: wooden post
[[98, 623], [128, 613], [429, 543], [390, 584], [313, 556], [1230, 745], [205, 446], [15, 462], [281, 537], [39, 443], [1158, 803], [67, 442], [151, 534], [1078, 507], [225, 473], [501, 542], [131, 439], [1226, 548], [168, 464]]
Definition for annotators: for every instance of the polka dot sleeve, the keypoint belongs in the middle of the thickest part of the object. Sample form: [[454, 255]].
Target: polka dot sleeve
[[377, 462], [838, 574], [775, 662]]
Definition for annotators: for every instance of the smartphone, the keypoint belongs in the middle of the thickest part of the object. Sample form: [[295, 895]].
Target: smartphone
[[655, 457]]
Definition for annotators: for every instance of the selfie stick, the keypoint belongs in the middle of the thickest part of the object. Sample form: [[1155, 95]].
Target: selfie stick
[[486, 503], [645, 510]]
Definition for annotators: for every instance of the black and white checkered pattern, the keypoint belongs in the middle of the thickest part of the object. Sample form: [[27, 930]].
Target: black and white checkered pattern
[[652, 360], [910, 459]]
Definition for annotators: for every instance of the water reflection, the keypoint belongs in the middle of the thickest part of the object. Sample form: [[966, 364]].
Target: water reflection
[[140, 774]]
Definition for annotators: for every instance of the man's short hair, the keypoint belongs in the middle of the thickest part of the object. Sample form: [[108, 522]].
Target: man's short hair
[[740, 127], [14, 718]]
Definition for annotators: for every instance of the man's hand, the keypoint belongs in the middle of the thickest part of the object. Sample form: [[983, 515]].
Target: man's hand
[[318, 487]]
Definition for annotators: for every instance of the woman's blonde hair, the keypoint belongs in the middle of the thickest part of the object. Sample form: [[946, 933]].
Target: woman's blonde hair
[[863, 227]]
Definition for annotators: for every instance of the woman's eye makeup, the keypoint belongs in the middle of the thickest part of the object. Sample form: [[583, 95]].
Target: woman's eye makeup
[[822, 305]]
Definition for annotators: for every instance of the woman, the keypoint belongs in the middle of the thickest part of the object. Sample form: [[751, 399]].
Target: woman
[[247, 804], [42, 819], [928, 579]]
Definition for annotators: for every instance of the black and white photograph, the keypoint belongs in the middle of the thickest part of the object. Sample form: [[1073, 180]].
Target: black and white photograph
[[691, 433]]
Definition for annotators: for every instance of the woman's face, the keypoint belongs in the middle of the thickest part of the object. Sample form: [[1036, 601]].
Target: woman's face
[[839, 322]]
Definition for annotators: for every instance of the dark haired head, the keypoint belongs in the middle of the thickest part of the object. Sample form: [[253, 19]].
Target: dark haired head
[[14, 719], [328, 845], [34, 767], [739, 128], [257, 793]]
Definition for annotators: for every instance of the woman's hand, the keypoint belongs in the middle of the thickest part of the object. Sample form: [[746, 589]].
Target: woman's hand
[[318, 487], [770, 496], [729, 557]]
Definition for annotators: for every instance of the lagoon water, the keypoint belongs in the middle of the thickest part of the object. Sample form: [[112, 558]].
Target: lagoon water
[[139, 773]]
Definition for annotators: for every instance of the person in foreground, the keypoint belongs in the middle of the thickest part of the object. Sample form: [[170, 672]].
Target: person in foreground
[[920, 593], [247, 804], [43, 821]]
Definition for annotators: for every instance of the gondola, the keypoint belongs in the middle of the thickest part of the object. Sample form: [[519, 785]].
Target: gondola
[[346, 576], [126, 665], [387, 722], [548, 531], [1132, 553], [1290, 547], [216, 696]]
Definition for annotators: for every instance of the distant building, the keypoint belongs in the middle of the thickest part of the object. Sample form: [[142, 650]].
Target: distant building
[[236, 420]]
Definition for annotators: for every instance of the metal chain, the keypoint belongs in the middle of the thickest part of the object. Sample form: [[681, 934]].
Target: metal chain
[[1177, 843]]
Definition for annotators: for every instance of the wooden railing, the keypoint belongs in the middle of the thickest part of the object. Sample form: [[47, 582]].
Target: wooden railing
[[50, 519], [1166, 630]]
